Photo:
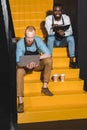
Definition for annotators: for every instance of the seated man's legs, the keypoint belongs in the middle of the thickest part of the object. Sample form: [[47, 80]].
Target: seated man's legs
[[71, 45], [71, 49], [46, 66], [50, 43], [20, 88]]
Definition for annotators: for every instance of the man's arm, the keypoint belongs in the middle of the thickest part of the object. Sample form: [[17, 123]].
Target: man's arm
[[48, 25], [43, 56], [67, 22]]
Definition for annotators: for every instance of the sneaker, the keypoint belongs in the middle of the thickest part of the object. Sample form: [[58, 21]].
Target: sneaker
[[73, 65], [20, 108], [46, 91]]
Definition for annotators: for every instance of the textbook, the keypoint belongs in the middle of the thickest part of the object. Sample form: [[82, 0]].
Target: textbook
[[61, 27]]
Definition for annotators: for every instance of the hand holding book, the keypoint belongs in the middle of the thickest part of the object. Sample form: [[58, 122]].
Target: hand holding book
[[60, 27]]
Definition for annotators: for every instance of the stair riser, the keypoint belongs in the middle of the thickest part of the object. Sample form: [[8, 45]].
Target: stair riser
[[60, 62], [60, 52], [34, 89], [29, 8], [39, 103], [38, 2], [28, 16], [20, 31], [73, 73], [55, 115]]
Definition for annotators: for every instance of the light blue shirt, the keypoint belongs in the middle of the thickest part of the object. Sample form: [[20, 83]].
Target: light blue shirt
[[20, 47]]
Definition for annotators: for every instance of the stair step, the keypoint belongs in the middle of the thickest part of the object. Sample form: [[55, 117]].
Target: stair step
[[21, 29], [69, 73], [30, 15], [69, 86], [22, 2], [60, 62], [22, 23], [58, 107], [30, 8], [60, 52], [55, 102]]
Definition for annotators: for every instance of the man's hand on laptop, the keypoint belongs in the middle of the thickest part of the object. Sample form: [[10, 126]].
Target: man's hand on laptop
[[31, 65]]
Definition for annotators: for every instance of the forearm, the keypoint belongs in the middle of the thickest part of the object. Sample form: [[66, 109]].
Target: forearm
[[43, 56]]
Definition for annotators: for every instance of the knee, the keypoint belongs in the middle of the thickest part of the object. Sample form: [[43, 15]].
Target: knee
[[51, 38], [20, 71], [70, 39], [48, 61]]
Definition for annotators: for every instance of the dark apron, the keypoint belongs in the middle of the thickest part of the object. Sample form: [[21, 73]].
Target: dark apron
[[30, 52], [57, 35]]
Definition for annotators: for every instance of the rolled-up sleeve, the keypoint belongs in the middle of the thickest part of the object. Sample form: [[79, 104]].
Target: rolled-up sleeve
[[42, 46], [19, 50]]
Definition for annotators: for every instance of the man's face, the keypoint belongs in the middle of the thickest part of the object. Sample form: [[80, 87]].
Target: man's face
[[29, 37], [57, 12]]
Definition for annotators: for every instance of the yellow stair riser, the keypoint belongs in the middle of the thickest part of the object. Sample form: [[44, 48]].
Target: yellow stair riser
[[23, 23], [60, 62], [60, 52], [39, 2], [69, 73], [20, 33], [34, 89], [55, 102], [53, 115], [30, 8], [22, 30], [21, 16]]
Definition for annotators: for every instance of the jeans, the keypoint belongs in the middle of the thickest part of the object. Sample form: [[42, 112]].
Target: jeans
[[51, 42], [45, 66]]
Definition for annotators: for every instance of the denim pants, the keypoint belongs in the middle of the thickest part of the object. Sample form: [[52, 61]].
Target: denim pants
[[45, 66], [69, 40]]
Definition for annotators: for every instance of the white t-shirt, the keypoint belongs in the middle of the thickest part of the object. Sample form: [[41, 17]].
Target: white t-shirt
[[66, 19]]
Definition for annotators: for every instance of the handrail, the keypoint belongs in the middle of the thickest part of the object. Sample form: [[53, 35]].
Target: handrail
[[10, 43]]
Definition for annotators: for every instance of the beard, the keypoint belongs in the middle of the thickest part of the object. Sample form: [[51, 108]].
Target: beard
[[57, 17]]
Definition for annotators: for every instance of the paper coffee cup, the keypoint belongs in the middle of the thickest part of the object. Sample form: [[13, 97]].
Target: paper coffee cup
[[55, 77], [62, 77]]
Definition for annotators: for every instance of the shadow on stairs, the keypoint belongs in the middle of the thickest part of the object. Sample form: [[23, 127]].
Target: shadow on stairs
[[79, 124]]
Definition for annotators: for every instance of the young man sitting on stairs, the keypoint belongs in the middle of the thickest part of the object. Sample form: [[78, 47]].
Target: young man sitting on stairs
[[59, 36], [28, 45]]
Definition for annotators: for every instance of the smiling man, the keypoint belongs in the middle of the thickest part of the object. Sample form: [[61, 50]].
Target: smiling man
[[58, 37]]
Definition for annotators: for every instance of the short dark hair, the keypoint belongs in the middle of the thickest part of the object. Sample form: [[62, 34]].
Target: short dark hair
[[57, 4]]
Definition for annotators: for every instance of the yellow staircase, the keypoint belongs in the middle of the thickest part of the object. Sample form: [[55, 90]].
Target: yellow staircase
[[69, 100], [29, 12]]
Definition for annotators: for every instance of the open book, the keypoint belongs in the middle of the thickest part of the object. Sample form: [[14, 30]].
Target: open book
[[61, 27]]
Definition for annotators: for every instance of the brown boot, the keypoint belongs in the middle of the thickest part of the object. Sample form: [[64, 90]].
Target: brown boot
[[46, 91], [20, 108]]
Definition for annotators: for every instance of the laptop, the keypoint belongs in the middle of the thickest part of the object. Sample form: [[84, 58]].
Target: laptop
[[27, 59]]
